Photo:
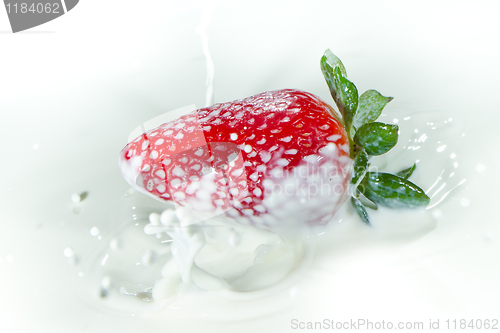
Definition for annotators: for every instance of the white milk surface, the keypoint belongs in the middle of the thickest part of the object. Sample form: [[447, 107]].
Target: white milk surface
[[80, 251]]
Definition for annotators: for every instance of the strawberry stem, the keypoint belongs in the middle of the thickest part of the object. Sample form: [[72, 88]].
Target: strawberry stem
[[368, 138]]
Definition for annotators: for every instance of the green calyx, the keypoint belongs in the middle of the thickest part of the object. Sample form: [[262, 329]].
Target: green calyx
[[369, 138]]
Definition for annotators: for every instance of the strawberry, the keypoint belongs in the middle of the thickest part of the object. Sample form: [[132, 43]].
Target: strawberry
[[278, 155], [277, 158]]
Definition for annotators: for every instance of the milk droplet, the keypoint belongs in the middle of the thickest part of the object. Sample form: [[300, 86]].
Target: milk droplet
[[68, 252], [75, 197], [115, 244], [441, 148], [105, 285], [154, 218], [148, 258], [94, 231]]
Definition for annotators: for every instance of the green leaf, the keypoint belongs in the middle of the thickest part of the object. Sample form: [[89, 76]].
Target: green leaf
[[360, 209], [392, 191], [367, 203], [332, 60], [377, 138], [348, 95], [371, 104], [343, 91], [328, 75], [406, 173], [360, 167]]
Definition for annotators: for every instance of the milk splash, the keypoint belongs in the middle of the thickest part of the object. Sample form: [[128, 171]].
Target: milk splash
[[151, 264]]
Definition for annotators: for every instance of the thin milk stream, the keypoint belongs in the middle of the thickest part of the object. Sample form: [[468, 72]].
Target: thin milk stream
[[201, 30]]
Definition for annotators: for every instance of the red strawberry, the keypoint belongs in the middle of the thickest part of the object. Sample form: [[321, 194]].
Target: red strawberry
[[276, 158]]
